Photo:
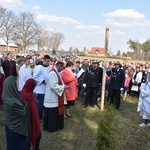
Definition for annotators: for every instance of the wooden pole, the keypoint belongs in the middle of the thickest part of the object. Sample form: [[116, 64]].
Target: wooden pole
[[104, 69]]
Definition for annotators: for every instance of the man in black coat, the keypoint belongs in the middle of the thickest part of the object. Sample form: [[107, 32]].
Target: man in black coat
[[92, 81], [9, 66], [81, 91], [116, 85]]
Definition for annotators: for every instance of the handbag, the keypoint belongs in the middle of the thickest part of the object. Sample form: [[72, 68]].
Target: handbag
[[135, 88]]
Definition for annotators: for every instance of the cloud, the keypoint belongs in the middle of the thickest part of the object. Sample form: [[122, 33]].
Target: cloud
[[125, 13], [10, 3], [91, 28], [127, 18], [36, 8], [117, 32], [57, 19], [66, 20]]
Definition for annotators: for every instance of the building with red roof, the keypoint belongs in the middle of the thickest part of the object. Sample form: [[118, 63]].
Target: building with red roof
[[97, 50], [11, 47]]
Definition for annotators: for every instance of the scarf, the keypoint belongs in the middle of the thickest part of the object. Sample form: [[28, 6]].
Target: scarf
[[16, 110], [27, 95], [135, 75], [60, 98]]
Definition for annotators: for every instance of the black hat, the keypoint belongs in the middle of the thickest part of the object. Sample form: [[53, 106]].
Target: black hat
[[117, 63], [95, 62]]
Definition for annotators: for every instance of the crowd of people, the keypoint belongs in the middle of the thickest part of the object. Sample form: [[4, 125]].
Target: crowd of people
[[35, 89]]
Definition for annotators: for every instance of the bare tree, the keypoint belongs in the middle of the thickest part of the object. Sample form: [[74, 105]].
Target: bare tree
[[7, 27], [39, 41], [57, 39], [26, 30], [42, 39], [2, 11], [48, 41]]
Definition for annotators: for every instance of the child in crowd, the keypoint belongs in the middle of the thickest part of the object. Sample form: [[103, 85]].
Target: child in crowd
[[126, 85]]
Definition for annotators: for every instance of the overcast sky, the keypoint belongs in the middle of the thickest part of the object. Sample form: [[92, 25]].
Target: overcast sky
[[83, 22]]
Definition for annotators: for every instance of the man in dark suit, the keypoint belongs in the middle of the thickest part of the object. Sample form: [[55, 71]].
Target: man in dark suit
[[81, 91], [92, 80], [117, 79], [9, 66]]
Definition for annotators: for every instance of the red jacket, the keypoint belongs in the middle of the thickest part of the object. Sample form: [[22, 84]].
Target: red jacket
[[69, 79]]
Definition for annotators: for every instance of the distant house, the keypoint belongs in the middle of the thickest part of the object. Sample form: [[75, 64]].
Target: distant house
[[11, 47], [97, 50]]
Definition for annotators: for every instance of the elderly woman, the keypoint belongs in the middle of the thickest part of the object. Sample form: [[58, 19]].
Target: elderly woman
[[144, 102], [17, 124], [69, 80]]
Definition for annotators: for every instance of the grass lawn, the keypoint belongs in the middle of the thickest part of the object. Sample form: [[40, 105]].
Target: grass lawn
[[80, 131]]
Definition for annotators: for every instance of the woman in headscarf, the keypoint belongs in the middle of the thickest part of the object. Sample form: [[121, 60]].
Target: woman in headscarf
[[144, 102], [2, 78], [27, 95], [17, 122]]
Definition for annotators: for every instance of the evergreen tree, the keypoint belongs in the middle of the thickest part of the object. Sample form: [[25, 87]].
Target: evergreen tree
[[53, 51]]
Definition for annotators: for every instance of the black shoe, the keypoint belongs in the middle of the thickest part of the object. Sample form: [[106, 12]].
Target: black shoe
[[92, 106], [85, 106], [118, 109]]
